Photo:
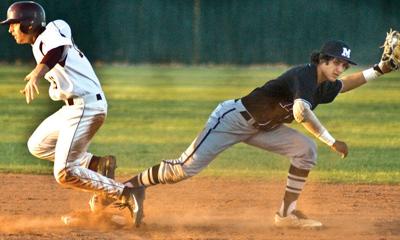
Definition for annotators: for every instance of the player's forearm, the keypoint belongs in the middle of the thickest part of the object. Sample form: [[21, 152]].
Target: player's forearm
[[39, 71], [353, 81], [319, 131], [303, 114]]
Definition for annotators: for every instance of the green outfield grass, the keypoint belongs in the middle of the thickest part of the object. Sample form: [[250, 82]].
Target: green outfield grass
[[156, 111]]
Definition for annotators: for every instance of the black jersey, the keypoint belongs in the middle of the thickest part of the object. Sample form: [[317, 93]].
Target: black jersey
[[272, 104]]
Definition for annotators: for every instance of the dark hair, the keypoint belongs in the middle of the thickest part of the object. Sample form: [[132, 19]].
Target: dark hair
[[317, 57]]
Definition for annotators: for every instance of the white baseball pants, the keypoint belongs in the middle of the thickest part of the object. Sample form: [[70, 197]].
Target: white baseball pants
[[64, 138]]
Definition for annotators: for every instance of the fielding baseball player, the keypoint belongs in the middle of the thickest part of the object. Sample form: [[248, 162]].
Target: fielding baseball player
[[259, 118], [64, 137]]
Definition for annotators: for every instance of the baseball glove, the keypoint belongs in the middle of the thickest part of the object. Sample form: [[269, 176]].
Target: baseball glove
[[391, 50]]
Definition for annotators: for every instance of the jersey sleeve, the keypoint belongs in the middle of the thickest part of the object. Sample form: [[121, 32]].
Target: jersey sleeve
[[57, 34], [53, 56], [304, 84]]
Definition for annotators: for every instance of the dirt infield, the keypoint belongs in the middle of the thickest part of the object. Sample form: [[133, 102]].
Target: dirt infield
[[202, 208]]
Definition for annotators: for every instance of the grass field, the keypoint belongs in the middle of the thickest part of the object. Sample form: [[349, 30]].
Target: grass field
[[156, 111]]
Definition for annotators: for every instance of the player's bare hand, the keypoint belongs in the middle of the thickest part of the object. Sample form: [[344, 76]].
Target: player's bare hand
[[341, 148], [30, 87]]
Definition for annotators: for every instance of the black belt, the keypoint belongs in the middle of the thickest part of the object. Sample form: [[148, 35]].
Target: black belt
[[245, 115], [265, 127], [70, 101]]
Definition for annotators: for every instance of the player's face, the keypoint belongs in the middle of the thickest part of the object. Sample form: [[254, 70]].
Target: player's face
[[334, 68], [19, 36]]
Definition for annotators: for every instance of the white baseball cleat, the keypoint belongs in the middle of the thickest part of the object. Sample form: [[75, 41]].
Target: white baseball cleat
[[296, 219], [134, 202]]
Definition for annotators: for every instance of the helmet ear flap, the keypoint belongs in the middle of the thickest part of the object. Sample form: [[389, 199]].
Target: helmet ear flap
[[28, 26], [25, 26]]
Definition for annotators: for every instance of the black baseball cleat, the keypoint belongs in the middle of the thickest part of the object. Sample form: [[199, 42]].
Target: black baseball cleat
[[105, 167], [133, 200]]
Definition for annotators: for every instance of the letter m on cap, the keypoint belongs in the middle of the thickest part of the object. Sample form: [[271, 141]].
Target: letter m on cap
[[346, 52]]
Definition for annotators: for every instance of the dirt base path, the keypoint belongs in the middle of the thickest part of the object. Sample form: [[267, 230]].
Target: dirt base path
[[202, 208]]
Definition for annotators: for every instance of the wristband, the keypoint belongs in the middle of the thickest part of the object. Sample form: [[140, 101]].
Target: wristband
[[327, 138], [370, 74], [378, 67]]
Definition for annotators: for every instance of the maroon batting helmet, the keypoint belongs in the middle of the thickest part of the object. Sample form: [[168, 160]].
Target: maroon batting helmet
[[30, 14]]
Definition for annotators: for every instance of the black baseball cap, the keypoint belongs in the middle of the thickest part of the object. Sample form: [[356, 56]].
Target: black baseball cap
[[337, 49]]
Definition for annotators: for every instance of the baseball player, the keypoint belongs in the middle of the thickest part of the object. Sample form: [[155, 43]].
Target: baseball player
[[259, 118], [64, 137]]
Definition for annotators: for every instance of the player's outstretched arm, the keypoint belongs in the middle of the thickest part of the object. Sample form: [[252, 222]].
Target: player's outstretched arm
[[32, 82], [390, 61]]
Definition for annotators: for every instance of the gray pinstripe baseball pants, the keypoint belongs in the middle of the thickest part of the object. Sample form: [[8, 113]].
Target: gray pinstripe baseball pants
[[226, 127]]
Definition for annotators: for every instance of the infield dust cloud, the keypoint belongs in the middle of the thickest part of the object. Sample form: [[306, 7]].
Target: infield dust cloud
[[12, 224]]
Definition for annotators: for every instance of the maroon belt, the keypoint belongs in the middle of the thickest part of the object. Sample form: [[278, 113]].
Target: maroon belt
[[70, 101]]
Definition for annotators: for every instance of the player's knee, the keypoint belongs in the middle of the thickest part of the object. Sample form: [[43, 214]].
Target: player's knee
[[37, 149], [312, 152], [34, 148], [306, 158]]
